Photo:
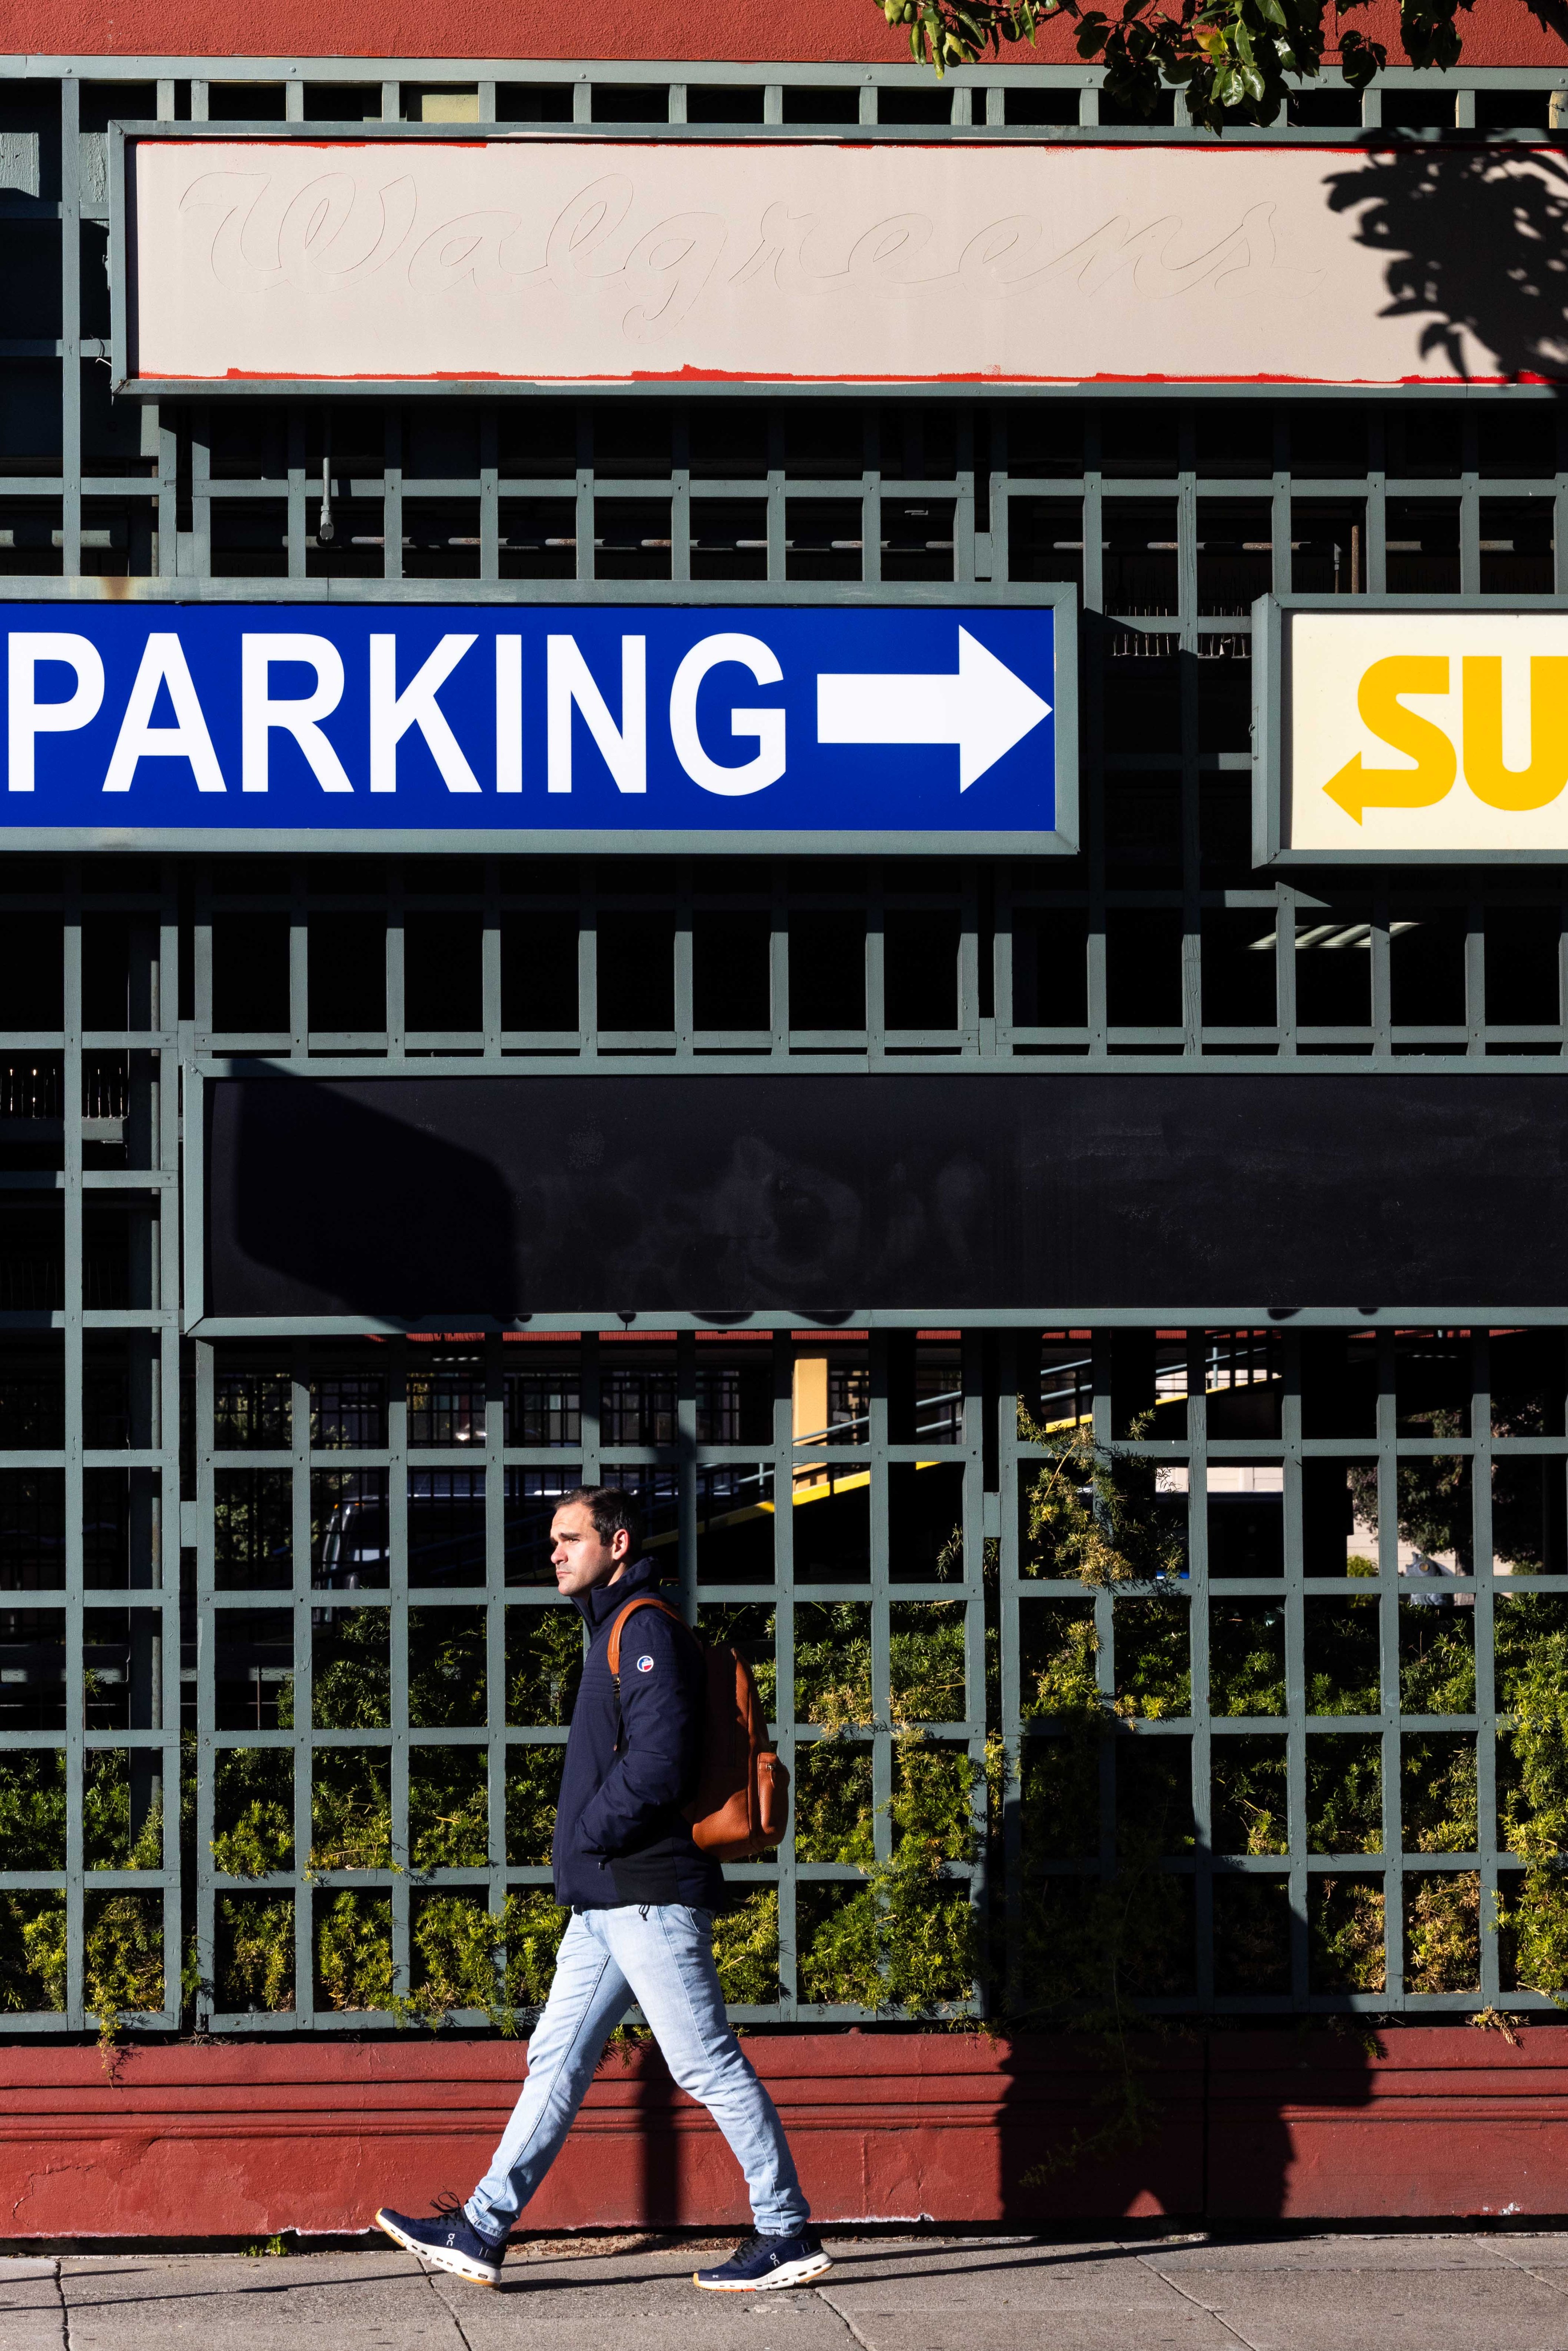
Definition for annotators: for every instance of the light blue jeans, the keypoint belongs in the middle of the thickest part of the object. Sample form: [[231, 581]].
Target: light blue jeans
[[660, 1957]]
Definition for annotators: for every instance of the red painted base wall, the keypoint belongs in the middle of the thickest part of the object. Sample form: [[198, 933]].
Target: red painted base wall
[[241, 2140]]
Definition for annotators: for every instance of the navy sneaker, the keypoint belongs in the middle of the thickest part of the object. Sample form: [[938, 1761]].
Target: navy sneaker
[[762, 2262], [449, 2240]]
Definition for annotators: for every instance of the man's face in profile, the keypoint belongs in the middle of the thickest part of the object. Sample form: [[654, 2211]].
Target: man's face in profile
[[578, 1553]]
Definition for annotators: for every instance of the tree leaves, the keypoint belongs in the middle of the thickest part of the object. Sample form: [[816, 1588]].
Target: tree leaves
[[1235, 59], [1095, 1510]]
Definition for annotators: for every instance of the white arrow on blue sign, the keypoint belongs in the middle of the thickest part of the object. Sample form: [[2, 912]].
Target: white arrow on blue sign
[[985, 708], [468, 721]]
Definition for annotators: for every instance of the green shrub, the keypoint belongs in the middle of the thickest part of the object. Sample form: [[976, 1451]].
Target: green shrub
[[33, 1808], [1532, 1684], [123, 1955], [544, 1666], [832, 1801], [533, 1926], [904, 1936], [448, 1808], [832, 1663], [1442, 1932], [32, 1952], [253, 1811], [909, 1937], [746, 1948], [351, 1809], [533, 1784], [254, 1940], [1346, 1947], [456, 1944], [354, 1950]]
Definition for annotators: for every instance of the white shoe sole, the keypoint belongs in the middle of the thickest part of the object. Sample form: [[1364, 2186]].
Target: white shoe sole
[[787, 2273], [455, 2263]]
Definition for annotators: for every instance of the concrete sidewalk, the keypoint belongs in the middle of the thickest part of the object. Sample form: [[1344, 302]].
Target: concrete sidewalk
[[1501, 2292]]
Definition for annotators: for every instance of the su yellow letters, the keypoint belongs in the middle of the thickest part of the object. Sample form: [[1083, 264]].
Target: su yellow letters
[[1357, 787], [1515, 787]]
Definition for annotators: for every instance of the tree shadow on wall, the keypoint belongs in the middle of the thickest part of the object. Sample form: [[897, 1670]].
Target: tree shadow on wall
[[1476, 244], [1551, 15]]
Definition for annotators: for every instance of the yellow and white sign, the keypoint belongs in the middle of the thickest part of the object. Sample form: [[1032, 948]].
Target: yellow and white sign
[[1428, 733]]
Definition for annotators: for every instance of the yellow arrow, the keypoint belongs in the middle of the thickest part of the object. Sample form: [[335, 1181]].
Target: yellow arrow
[[1356, 786]]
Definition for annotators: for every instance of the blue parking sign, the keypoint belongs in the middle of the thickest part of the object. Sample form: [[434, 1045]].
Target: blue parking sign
[[485, 724]]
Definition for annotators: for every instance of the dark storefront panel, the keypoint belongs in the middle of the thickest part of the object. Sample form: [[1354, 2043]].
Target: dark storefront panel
[[835, 1194]]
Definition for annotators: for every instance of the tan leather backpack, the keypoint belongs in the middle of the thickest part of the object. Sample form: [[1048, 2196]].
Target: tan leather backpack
[[742, 1803]]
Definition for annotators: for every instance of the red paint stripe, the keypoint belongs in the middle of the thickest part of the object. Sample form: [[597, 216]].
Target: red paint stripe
[[605, 134], [979, 376]]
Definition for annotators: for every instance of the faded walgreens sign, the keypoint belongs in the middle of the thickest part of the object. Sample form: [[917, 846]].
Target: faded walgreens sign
[[1437, 733], [454, 722], [568, 260]]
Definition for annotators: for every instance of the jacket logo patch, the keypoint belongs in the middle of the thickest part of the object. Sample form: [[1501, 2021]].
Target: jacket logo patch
[[644, 1664]]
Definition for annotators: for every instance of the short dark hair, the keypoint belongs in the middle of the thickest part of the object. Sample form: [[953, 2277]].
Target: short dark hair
[[611, 1509]]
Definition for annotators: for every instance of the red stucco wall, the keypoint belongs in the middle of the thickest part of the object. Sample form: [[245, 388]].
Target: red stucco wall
[[1496, 32], [241, 2140]]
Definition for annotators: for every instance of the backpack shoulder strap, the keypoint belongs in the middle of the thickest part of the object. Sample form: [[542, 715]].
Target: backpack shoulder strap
[[644, 1600]]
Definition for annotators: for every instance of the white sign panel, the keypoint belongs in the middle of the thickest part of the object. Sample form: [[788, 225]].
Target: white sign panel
[[582, 260], [1426, 733]]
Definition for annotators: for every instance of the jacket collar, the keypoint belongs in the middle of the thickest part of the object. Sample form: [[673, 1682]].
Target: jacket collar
[[599, 1603]]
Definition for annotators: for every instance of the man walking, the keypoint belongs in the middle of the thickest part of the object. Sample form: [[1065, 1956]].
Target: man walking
[[643, 1899]]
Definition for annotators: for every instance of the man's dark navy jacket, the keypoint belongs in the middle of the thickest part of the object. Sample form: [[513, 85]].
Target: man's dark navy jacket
[[618, 1834]]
